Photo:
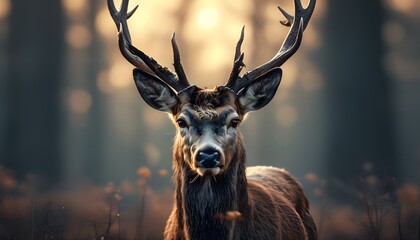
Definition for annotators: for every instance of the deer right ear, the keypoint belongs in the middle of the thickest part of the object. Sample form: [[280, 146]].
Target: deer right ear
[[155, 92], [260, 92]]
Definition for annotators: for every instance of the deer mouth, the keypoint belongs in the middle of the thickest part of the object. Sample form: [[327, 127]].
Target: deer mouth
[[203, 171]]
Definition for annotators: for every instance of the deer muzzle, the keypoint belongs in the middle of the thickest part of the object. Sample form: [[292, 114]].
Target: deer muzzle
[[208, 161]]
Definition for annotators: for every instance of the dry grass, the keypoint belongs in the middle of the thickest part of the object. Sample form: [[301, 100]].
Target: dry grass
[[375, 208]]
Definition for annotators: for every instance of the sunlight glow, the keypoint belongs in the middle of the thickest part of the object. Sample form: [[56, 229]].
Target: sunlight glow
[[208, 18], [4, 8], [215, 56]]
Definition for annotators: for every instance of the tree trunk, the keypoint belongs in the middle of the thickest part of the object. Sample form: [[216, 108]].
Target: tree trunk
[[358, 90], [35, 50]]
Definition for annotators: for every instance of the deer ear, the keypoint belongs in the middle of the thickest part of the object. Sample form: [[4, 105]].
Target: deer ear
[[260, 92], [154, 92]]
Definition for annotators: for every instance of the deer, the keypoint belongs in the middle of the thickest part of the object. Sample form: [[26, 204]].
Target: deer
[[216, 195]]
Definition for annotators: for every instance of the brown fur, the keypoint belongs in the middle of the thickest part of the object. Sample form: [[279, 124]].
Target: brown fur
[[254, 203], [215, 198]]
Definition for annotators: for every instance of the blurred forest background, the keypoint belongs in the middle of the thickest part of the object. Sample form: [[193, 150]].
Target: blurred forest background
[[82, 156]]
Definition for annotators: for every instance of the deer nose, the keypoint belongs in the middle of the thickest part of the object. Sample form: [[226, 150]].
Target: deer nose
[[208, 158]]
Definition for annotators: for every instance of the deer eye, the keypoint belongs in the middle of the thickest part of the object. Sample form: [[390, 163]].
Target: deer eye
[[181, 123], [235, 122]]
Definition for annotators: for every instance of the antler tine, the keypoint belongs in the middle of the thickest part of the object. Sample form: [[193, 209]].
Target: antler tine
[[288, 49], [239, 44], [112, 9], [120, 17], [135, 56], [132, 12], [305, 13], [290, 45], [289, 18], [179, 69], [300, 13], [238, 63]]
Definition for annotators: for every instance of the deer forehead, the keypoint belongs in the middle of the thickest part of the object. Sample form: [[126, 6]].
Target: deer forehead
[[207, 115], [207, 104]]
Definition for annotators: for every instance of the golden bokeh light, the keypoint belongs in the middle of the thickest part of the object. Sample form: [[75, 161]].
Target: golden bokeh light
[[79, 101], [144, 22], [245, 7], [215, 56], [311, 177], [102, 82], [410, 7], [78, 36], [75, 5], [4, 9], [144, 172], [75, 8], [7, 180], [207, 18], [117, 75], [163, 172]]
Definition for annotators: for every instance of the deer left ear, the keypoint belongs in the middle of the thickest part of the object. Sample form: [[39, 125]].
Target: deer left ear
[[260, 92], [155, 92]]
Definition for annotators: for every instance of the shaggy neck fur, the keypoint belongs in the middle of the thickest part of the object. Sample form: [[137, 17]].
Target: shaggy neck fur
[[200, 200]]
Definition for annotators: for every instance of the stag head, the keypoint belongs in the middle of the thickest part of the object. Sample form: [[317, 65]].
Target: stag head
[[207, 120]]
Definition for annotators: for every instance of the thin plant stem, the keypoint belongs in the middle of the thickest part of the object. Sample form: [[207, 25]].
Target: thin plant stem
[[141, 210], [32, 215]]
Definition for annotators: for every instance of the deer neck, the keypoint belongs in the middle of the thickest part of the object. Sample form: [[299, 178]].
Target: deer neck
[[202, 202]]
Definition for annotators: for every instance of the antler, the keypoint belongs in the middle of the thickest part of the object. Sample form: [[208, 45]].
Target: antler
[[289, 47], [138, 58]]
